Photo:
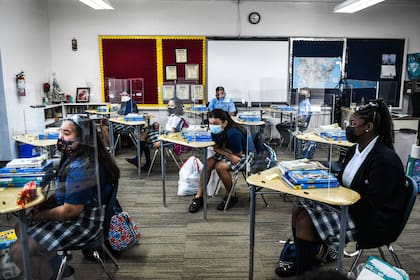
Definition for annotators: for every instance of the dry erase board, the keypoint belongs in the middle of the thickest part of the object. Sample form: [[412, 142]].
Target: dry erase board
[[250, 70]]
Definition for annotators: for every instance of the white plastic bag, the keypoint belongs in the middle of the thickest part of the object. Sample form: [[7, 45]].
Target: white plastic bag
[[213, 183], [189, 176]]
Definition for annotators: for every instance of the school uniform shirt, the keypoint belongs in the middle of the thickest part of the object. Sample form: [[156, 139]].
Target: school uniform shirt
[[76, 186], [380, 181], [304, 108], [172, 122], [226, 104]]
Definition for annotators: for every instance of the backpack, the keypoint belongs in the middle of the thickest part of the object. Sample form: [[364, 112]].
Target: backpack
[[179, 149], [263, 160]]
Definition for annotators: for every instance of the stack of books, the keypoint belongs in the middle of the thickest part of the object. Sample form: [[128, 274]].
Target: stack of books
[[306, 174], [20, 171]]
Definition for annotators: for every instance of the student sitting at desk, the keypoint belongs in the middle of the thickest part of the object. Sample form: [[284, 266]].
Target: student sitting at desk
[[72, 216], [221, 102], [304, 109], [150, 138], [128, 105], [230, 155], [372, 169]]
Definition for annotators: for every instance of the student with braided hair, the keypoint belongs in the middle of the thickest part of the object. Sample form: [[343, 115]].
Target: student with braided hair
[[371, 168]]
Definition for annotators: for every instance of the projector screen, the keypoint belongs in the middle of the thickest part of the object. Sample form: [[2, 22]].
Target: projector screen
[[249, 70]]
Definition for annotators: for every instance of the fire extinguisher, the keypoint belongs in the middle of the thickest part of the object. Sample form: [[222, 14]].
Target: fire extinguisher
[[20, 83]]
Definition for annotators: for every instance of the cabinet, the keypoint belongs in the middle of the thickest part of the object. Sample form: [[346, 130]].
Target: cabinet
[[39, 118]]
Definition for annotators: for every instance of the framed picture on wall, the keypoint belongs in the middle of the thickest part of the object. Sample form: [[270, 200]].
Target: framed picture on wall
[[82, 94], [168, 92], [191, 71], [197, 92], [170, 72], [183, 91], [181, 55]]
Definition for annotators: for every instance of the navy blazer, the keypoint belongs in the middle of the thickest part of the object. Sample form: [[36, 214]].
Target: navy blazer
[[380, 181]]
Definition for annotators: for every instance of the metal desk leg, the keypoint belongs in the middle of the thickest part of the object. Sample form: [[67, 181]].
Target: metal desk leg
[[341, 244], [138, 133], [163, 170], [24, 239], [111, 139], [251, 231], [205, 184]]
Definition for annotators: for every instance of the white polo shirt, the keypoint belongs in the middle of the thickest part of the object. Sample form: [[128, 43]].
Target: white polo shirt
[[355, 162]]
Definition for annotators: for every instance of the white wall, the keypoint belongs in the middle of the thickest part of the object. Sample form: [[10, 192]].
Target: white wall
[[24, 44], [70, 19]]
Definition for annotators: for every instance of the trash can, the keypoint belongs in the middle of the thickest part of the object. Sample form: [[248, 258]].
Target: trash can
[[403, 140]]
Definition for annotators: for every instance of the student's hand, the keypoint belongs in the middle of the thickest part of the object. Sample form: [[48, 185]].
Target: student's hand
[[156, 145], [234, 159]]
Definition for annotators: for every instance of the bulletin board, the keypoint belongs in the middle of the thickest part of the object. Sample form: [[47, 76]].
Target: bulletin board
[[161, 61]]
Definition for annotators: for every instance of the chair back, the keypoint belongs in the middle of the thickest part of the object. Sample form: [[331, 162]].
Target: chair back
[[412, 191], [182, 124]]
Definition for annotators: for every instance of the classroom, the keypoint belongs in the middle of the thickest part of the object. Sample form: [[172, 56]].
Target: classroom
[[60, 57]]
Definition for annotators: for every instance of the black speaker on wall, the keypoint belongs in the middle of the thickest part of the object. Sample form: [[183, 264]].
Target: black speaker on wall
[[333, 99]]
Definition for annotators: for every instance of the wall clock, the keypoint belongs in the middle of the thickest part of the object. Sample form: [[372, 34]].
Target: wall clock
[[254, 18]]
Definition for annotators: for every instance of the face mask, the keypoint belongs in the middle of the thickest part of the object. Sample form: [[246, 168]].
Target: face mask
[[65, 146], [125, 98], [351, 133], [171, 111], [215, 129]]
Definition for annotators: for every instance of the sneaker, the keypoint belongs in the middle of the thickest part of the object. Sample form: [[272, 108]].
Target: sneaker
[[285, 269], [196, 204], [232, 201], [133, 161]]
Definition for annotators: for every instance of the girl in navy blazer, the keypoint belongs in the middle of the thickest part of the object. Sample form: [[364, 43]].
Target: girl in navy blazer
[[374, 170]]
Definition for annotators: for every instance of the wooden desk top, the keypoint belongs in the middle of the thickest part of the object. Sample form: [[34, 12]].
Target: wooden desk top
[[176, 138], [190, 111], [340, 196], [95, 112], [312, 136], [8, 198], [237, 120], [121, 120], [32, 139], [272, 110]]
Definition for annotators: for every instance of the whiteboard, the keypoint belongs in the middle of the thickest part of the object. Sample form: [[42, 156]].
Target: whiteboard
[[249, 70]]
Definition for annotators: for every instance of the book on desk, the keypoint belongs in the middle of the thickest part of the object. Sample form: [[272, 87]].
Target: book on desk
[[17, 174]]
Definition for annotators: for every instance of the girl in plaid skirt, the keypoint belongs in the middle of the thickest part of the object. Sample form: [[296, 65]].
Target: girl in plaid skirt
[[73, 216], [230, 155], [372, 169]]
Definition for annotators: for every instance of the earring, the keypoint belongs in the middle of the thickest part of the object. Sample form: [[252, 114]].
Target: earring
[[366, 131]]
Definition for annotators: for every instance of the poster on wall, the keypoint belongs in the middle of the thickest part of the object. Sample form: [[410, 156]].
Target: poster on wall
[[168, 92], [197, 92], [316, 72], [183, 91], [388, 70], [413, 65]]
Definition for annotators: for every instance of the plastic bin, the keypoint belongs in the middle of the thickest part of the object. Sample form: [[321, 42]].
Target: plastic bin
[[404, 139], [28, 151]]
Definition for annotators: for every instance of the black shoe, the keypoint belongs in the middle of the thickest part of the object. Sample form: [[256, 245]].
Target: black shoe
[[134, 161], [286, 269], [232, 201], [145, 167], [196, 204]]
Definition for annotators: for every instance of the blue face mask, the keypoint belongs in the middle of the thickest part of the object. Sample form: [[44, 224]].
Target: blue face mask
[[215, 129]]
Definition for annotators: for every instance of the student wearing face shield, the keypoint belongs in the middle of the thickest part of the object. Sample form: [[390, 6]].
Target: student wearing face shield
[[149, 138], [221, 102], [230, 155], [72, 216]]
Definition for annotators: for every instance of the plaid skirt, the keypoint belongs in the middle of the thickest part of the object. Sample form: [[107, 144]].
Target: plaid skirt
[[56, 235], [238, 166], [327, 222]]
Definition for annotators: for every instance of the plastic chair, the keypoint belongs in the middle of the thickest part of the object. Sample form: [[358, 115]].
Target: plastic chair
[[411, 199]]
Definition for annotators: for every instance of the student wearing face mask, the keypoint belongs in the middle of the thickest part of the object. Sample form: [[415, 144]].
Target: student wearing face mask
[[72, 215], [221, 102], [230, 155], [148, 138], [371, 168]]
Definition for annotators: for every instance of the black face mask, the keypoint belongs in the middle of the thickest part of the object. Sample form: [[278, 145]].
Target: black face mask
[[65, 146], [171, 111], [351, 133]]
